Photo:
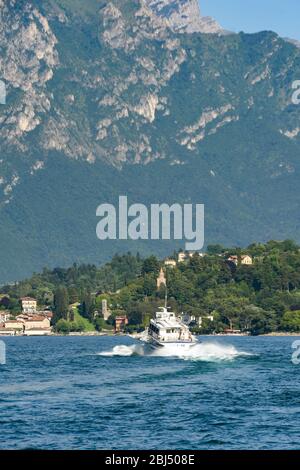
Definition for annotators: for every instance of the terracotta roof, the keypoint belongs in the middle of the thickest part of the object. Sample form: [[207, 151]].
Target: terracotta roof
[[39, 329], [36, 319], [29, 299], [46, 313]]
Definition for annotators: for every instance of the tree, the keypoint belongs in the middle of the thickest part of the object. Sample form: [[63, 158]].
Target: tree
[[63, 326], [61, 304], [291, 321], [100, 324], [87, 307], [73, 295], [215, 249], [263, 323], [261, 298], [151, 266], [150, 287]]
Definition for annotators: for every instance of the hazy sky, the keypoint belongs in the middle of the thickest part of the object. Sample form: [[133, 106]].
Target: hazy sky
[[281, 16]]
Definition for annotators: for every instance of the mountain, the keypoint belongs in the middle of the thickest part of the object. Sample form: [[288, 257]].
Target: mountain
[[106, 98], [184, 16], [293, 41]]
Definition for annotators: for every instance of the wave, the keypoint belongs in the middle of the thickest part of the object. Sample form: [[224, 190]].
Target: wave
[[207, 352], [122, 350], [214, 351]]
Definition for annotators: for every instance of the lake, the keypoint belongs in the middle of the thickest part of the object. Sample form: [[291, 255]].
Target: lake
[[108, 393]]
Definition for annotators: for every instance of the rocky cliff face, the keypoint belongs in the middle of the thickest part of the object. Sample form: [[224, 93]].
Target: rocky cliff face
[[184, 16], [93, 83], [27, 63], [112, 88], [42, 116]]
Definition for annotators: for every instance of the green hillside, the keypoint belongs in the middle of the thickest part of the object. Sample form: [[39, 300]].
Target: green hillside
[[120, 105], [261, 297]]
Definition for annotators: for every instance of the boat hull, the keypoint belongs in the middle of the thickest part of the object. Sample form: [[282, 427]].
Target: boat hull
[[176, 347]]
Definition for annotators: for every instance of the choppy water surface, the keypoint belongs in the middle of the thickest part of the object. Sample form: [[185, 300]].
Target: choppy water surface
[[110, 393]]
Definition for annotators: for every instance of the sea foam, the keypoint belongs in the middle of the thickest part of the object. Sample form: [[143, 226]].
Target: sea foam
[[207, 351]]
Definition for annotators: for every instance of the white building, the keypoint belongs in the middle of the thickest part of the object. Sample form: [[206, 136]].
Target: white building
[[181, 257], [29, 305], [28, 325], [37, 326], [4, 316], [233, 259], [208, 317], [184, 256], [170, 263], [247, 260], [14, 325], [189, 319]]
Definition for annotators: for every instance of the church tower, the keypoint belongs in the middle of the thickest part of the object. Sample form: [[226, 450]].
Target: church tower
[[161, 280]]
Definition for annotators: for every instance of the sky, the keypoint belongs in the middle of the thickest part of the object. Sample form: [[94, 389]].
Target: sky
[[250, 16]]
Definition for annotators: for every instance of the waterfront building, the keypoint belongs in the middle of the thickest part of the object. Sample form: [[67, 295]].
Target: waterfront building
[[120, 323], [29, 305], [4, 316]]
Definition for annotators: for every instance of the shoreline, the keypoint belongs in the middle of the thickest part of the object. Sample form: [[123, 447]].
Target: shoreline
[[102, 334], [281, 334], [86, 334]]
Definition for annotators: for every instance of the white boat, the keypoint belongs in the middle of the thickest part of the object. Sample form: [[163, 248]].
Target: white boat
[[168, 332]]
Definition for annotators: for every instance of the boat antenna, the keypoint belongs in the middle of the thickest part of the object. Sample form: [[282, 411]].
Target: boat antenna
[[166, 292]]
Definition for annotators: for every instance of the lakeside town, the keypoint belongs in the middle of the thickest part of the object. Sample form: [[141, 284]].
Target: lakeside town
[[220, 292], [34, 321], [30, 322]]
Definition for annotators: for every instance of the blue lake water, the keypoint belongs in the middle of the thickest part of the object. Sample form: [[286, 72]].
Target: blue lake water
[[105, 393]]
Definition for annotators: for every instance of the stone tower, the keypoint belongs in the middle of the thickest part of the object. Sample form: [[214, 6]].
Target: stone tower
[[161, 280], [105, 310]]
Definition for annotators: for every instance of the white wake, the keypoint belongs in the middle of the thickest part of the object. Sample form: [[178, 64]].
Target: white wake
[[208, 351]]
